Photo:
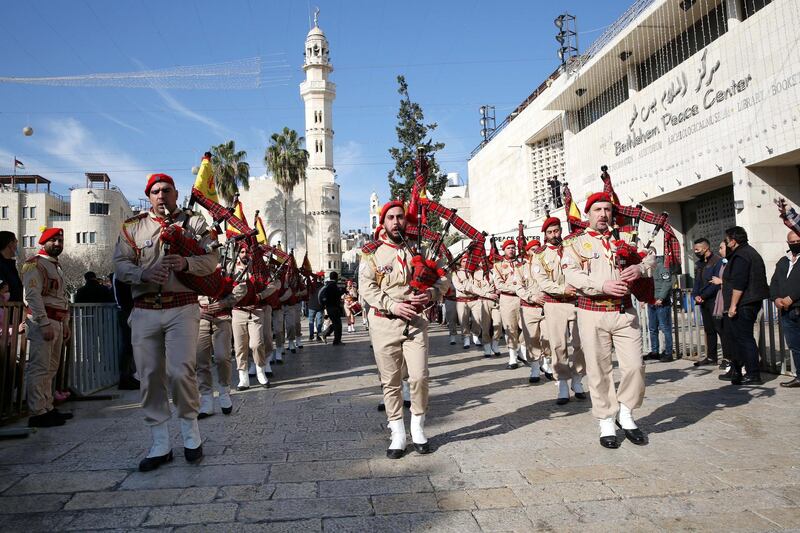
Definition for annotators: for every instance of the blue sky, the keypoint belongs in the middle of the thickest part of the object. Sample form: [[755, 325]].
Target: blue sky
[[455, 56]]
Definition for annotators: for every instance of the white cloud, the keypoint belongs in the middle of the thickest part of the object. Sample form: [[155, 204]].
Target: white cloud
[[184, 111], [117, 121]]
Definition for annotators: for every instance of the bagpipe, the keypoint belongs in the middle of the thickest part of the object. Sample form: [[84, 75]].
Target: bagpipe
[[790, 217]]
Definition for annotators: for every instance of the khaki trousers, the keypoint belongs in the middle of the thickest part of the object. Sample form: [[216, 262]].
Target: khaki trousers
[[165, 351], [599, 333], [267, 330], [451, 316], [492, 310], [277, 327], [509, 314], [562, 320], [248, 332], [216, 334], [43, 362], [473, 310], [532, 318], [393, 349]]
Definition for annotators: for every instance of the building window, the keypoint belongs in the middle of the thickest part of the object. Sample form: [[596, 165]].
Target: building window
[[29, 213], [98, 208], [4, 212], [92, 237], [753, 6], [601, 104], [547, 172], [78, 238], [29, 241]]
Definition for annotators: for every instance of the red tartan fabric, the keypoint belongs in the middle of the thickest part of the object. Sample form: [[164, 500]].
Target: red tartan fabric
[[167, 300], [180, 243], [525, 303], [604, 305], [553, 300], [792, 220], [672, 248]]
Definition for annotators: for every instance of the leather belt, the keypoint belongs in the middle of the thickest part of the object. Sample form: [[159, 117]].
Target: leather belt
[[386, 315], [504, 293], [604, 305], [167, 300], [466, 298], [525, 303], [54, 313]]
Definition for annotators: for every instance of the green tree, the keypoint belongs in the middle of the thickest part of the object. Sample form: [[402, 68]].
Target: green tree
[[287, 160], [230, 170], [412, 132]]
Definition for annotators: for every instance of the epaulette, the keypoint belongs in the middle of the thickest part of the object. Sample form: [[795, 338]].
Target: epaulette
[[135, 218], [371, 247]]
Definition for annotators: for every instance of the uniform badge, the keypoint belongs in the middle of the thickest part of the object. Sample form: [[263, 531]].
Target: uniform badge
[[587, 246], [665, 275], [148, 243], [385, 269]]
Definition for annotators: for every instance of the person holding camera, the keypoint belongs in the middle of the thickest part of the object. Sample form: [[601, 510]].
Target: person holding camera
[[784, 290]]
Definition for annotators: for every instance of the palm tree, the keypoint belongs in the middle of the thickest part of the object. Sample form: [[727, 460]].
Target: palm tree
[[230, 170], [287, 161]]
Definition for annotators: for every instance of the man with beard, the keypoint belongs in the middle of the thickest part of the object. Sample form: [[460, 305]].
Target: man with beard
[[606, 320], [384, 277], [47, 327], [166, 317], [507, 283], [561, 325]]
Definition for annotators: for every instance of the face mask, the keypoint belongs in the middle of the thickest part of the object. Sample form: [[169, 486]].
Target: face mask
[[794, 247], [700, 255]]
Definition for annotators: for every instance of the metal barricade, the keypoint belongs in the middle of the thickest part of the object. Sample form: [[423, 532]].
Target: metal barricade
[[13, 357], [92, 361]]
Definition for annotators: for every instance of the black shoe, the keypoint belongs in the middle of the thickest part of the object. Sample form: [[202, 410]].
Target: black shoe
[[512, 366], [730, 375], [395, 454], [549, 376], [580, 395], [650, 356], [193, 455], [562, 401], [381, 407], [225, 410], [268, 374], [523, 361], [609, 442], [151, 463], [240, 388], [337, 343], [201, 416], [634, 435], [487, 356], [128, 383], [422, 448], [63, 415], [407, 404], [666, 358], [311, 338], [453, 343], [279, 361], [705, 362], [299, 346], [754, 379], [536, 379], [293, 350], [791, 384], [46, 420], [724, 364], [319, 338]]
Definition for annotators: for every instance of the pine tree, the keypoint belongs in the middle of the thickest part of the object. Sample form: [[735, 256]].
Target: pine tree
[[411, 133]]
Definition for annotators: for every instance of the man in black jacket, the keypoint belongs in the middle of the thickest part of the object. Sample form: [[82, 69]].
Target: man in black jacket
[[93, 292], [330, 297], [744, 287], [704, 294], [8, 265], [784, 290]]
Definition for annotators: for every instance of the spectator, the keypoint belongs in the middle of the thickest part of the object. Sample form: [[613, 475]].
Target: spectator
[[8, 265], [744, 287], [127, 366], [718, 310], [659, 314], [330, 297], [5, 294], [704, 292], [93, 292], [785, 292], [314, 307]]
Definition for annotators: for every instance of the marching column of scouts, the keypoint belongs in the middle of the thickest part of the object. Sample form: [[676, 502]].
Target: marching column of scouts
[[562, 307]]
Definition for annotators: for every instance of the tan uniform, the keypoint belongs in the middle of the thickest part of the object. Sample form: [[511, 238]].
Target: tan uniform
[[588, 262], [561, 313], [384, 278], [450, 309], [469, 306], [506, 282], [46, 297], [481, 285], [216, 333], [248, 324], [164, 334], [279, 314], [532, 313]]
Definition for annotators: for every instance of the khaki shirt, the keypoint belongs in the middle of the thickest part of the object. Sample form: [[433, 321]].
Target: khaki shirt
[[384, 278], [461, 281], [589, 261], [505, 278], [240, 291], [527, 287], [43, 286], [547, 270], [139, 247], [480, 284]]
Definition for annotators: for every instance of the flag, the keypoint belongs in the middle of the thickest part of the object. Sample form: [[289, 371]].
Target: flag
[[305, 268], [205, 180], [262, 233], [573, 211], [18, 163], [609, 190], [238, 212], [419, 193]]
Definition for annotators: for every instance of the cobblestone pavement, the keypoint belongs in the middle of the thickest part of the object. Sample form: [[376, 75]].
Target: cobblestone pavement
[[308, 454]]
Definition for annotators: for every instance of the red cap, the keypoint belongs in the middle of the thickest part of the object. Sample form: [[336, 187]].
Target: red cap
[[377, 232], [389, 205], [551, 221], [507, 243], [596, 197], [532, 244], [152, 179], [50, 233]]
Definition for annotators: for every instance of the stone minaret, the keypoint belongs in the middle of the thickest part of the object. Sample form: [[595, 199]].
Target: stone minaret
[[323, 192], [374, 212]]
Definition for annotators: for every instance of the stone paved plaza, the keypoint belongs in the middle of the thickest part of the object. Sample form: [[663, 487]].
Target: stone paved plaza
[[308, 454]]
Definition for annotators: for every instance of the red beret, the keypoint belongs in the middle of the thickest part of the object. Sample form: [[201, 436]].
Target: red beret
[[507, 243], [596, 197], [551, 221], [152, 179], [389, 205], [532, 244], [50, 233], [377, 232]]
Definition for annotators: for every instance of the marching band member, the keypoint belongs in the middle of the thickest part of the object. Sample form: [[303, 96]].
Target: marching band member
[[531, 300], [506, 283]]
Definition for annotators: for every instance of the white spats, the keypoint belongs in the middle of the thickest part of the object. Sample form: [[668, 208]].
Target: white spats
[[495, 347], [398, 429], [522, 352], [207, 404], [475, 340], [626, 417], [225, 397], [278, 355], [261, 374], [452, 339], [418, 429], [546, 367], [607, 427], [487, 350], [191, 434], [577, 384], [512, 356], [160, 434], [244, 379], [535, 371], [563, 388], [466, 341]]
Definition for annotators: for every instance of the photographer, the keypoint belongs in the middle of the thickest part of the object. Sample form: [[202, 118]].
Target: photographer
[[784, 290]]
